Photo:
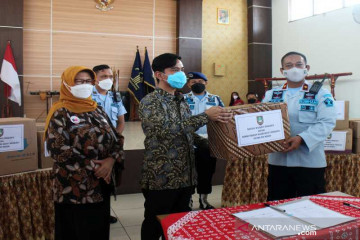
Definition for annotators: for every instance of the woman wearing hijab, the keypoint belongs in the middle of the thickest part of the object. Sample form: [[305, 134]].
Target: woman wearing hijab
[[235, 99], [86, 149]]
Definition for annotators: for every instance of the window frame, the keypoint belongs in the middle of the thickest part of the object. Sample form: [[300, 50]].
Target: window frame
[[344, 5]]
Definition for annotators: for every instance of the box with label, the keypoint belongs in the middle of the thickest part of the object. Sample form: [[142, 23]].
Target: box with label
[[44, 162], [342, 115], [18, 145], [355, 126], [255, 129], [339, 141]]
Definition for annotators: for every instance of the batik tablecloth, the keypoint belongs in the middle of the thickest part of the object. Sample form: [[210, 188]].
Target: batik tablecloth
[[26, 206], [221, 224], [246, 179]]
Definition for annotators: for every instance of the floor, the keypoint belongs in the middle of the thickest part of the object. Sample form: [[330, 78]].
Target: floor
[[129, 209]]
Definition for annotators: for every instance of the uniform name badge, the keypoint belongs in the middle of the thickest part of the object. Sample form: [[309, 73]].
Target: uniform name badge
[[260, 127]]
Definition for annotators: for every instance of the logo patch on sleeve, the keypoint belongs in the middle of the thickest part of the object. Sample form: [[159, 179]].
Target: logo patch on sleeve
[[329, 102]]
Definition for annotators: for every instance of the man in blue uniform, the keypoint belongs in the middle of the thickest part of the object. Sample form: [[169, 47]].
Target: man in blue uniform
[[299, 170], [199, 100], [111, 102]]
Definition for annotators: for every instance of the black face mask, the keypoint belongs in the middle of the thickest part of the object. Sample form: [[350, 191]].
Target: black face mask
[[198, 87], [252, 100]]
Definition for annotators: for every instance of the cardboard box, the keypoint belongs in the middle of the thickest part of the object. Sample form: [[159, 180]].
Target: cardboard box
[[40, 126], [44, 162], [259, 123], [356, 145], [355, 126], [18, 145], [339, 141], [342, 115]]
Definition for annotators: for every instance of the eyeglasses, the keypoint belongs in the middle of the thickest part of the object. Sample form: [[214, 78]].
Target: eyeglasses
[[84, 81]]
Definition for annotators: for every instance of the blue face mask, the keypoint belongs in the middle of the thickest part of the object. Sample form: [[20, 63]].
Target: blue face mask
[[177, 80]]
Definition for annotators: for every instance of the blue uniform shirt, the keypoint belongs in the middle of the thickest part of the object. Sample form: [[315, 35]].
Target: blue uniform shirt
[[113, 109], [312, 117], [198, 106]]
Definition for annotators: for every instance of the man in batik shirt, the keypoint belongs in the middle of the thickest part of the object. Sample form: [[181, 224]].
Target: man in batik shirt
[[168, 170]]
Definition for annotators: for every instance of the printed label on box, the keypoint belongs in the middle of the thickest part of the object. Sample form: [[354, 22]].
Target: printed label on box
[[336, 141], [260, 127], [340, 110], [11, 138]]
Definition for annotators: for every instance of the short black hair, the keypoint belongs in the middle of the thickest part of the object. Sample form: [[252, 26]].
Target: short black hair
[[163, 61], [293, 53], [251, 93], [98, 68]]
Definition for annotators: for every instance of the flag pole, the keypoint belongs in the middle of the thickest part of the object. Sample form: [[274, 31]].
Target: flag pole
[[6, 91]]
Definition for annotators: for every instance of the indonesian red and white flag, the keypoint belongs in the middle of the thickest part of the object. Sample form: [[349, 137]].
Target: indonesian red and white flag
[[10, 76]]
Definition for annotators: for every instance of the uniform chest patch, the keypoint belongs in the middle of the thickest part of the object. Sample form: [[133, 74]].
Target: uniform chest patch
[[308, 95]]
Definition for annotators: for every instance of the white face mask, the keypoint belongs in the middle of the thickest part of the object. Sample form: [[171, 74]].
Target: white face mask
[[81, 91], [235, 97], [106, 84], [295, 74]]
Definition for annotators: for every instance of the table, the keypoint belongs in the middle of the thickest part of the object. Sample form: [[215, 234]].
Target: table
[[220, 224], [245, 179], [26, 206]]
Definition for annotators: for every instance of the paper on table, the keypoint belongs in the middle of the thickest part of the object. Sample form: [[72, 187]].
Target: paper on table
[[273, 222], [300, 216], [315, 214]]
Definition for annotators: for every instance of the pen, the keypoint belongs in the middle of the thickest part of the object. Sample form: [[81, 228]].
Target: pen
[[350, 205], [275, 208]]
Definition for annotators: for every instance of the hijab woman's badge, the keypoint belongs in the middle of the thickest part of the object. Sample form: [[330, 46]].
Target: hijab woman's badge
[[1, 132], [260, 120], [104, 5], [75, 119]]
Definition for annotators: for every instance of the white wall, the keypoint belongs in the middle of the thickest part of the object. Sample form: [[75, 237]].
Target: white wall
[[331, 43]]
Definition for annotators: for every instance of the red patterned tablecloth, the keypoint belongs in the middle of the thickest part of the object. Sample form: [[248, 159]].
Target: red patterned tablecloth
[[221, 224]]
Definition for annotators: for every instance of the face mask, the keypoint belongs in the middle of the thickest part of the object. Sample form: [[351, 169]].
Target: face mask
[[106, 84], [198, 87], [295, 74], [81, 91], [251, 100], [177, 80], [235, 97]]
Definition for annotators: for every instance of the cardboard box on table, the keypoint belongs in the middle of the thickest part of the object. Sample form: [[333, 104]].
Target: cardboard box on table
[[339, 141], [355, 126], [44, 162], [342, 120], [223, 137], [40, 126], [18, 145]]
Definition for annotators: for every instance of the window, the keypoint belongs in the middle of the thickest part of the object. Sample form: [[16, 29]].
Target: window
[[299, 9]]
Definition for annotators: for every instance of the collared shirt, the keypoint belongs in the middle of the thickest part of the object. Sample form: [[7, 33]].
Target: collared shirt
[[113, 109], [198, 106], [169, 128], [312, 117], [74, 140]]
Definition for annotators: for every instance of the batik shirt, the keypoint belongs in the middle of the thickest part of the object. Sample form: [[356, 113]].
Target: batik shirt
[[74, 140], [170, 136]]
